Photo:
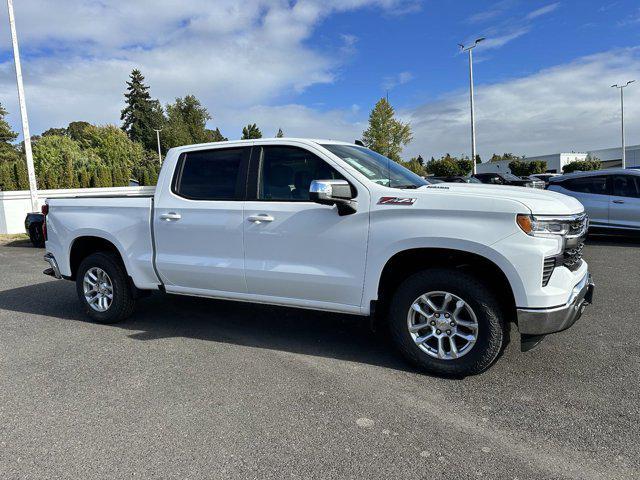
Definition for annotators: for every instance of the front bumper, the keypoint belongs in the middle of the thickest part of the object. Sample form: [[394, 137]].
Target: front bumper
[[542, 321]]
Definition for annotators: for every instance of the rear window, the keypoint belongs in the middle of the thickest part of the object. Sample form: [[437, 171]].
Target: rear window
[[593, 185], [209, 174]]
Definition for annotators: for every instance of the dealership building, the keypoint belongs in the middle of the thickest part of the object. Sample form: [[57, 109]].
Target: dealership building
[[611, 157]]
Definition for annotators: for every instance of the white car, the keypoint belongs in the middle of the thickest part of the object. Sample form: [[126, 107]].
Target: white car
[[334, 226], [611, 197]]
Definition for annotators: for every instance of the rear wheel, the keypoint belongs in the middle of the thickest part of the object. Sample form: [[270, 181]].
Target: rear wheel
[[447, 322], [103, 288]]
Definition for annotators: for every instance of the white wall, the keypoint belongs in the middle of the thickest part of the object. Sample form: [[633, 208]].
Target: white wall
[[14, 206]]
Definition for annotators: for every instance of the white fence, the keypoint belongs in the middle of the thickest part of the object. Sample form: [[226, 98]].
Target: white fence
[[14, 206]]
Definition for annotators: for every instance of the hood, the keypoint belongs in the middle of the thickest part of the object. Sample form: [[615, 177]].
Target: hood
[[540, 202]]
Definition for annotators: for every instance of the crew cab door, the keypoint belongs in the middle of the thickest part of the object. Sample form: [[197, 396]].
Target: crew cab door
[[298, 252], [198, 222], [624, 205]]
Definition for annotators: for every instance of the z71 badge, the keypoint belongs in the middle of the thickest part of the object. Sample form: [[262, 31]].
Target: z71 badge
[[396, 201]]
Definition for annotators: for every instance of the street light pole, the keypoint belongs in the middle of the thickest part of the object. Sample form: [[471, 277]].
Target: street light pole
[[158, 137], [621, 88], [473, 113], [33, 187]]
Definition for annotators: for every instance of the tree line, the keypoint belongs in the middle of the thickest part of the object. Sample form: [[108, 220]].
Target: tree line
[[84, 155]]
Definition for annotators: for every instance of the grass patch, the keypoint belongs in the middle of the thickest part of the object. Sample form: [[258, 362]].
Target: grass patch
[[12, 237]]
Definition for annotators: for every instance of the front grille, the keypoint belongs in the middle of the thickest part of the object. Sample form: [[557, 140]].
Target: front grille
[[549, 265], [578, 227], [572, 258]]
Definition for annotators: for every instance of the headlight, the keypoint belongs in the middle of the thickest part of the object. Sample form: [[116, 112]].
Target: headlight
[[548, 226]]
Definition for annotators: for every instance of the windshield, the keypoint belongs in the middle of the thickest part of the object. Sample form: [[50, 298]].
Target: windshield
[[376, 167]]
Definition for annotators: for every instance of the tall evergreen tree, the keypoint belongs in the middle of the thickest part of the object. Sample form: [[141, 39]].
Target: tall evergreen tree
[[6, 134], [141, 114], [251, 131], [385, 134], [8, 152]]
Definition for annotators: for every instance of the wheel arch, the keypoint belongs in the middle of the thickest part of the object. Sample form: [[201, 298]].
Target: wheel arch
[[85, 245], [407, 262]]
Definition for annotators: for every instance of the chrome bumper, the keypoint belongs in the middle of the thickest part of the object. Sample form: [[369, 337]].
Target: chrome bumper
[[543, 321], [54, 271]]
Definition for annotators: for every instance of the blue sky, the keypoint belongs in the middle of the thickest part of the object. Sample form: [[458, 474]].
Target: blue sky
[[315, 68]]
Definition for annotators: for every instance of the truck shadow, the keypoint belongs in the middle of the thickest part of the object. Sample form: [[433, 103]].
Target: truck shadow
[[159, 316]]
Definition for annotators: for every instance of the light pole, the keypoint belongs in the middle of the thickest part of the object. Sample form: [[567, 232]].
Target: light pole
[[473, 113], [621, 88], [158, 137], [33, 187]]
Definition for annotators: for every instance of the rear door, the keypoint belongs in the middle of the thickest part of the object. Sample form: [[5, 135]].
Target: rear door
[[592, 191], [297, 251], [624, 205], [198, 224]]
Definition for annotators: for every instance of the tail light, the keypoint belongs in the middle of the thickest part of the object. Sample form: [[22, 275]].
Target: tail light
[[45, 211]]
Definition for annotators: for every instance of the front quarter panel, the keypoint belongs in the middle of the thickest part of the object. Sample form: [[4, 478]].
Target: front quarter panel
[[440, 219]]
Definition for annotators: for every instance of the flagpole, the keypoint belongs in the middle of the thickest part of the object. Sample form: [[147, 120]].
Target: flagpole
[[33, 187]]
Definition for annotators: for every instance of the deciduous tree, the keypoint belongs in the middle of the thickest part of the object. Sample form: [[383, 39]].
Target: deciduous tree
[[385, 134]]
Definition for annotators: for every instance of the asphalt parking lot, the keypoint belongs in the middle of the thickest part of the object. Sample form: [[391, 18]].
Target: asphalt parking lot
[[193, 388]]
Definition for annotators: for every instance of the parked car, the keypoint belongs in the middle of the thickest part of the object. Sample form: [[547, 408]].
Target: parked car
[[336, 227], [456, 179], [545, 177], [34, 225], [611, 197], [508, 179]]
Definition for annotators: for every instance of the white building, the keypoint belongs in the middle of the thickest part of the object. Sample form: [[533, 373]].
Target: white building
[[611, 157]]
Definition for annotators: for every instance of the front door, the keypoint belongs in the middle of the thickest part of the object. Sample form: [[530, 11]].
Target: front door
[[198, 224], [624, 207], [298, 251]]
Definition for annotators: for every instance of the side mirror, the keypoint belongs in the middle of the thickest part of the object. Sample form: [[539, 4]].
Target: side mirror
[[333, 192]]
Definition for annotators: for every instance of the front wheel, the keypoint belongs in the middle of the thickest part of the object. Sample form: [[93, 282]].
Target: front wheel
[[447, 322], [103, 288]]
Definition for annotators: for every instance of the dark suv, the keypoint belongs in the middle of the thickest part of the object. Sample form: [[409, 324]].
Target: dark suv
[[508, 179]]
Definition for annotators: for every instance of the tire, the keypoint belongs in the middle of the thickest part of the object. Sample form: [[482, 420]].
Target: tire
[[36, 236], [122, 303], [483, 313]]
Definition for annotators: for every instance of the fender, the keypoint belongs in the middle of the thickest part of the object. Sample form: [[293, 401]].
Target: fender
[[377, 264]]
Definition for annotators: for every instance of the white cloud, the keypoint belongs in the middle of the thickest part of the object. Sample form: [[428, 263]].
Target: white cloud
[[509, 29], [543, 10], [564, 108], [393, 81], [506, 37], [78, 53]]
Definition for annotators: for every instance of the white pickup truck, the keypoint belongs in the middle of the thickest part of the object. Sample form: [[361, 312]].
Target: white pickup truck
[[334, 226]]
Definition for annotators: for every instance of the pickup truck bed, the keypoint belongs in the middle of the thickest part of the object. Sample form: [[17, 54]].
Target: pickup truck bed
[[123, 220]]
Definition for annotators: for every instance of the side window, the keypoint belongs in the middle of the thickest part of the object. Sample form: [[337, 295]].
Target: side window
[[209, 174], [593, 185], [626, 186], [287, 172]]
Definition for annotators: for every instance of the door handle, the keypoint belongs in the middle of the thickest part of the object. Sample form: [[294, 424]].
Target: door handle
[[263, 217], [618, 201], [171, 216]]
